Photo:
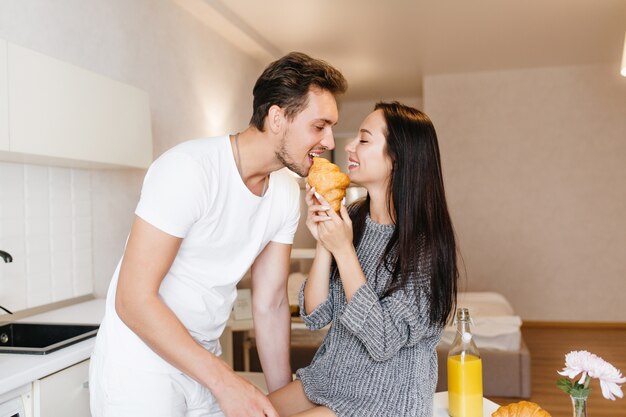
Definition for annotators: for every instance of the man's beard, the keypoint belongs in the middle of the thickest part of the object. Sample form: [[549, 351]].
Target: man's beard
[[285, 159]]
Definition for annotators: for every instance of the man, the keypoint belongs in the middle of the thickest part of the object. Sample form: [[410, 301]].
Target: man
[[209, 210]]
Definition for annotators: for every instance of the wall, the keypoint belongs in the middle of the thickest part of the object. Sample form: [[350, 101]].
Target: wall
[[45, 223], [352, 112], [535, 167], [198, 83]]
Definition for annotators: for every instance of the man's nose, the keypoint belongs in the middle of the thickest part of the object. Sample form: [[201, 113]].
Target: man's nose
[[329, 141]]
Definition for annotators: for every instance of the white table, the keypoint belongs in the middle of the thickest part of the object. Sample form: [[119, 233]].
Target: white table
[[440, 407]]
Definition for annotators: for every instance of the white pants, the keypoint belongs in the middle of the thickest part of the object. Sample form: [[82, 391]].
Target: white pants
[[120, 392]]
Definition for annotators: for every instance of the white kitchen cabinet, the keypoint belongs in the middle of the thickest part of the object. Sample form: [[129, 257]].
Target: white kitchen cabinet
[[4, 98], [60, 114], [64, 393]]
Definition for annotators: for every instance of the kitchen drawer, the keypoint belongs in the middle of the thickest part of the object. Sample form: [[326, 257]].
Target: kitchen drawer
[[64, 393]]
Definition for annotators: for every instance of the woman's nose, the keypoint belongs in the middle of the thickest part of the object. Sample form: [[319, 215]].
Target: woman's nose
[[350, 145]]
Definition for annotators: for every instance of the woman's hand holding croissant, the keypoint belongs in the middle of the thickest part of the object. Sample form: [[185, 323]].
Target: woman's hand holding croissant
[[335, 232], [316, 211]]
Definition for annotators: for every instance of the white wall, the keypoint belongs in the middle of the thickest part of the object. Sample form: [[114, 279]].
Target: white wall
[[535, 168], [46, 225], [198, 83], [352, 112]]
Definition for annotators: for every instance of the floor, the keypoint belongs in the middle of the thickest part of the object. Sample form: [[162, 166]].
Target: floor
[[548, 346]]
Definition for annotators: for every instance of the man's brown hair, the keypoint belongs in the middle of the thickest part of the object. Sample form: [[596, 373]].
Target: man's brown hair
[[287, 81]]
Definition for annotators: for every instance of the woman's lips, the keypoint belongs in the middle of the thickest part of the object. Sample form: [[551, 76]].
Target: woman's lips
[[352, 165]]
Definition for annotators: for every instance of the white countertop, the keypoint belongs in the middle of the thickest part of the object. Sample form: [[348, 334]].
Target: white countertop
[[17, 369]]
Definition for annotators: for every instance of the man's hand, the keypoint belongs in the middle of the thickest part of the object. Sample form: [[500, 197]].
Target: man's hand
[[239, 398]]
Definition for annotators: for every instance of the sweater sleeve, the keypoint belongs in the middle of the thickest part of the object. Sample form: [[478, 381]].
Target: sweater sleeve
[[320, 316], [388, 324]]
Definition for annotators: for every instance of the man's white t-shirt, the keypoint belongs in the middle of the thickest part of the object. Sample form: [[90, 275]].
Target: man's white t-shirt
[[194, 191]]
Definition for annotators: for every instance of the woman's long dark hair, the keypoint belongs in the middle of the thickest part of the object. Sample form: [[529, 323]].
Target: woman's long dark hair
[[423, 237]]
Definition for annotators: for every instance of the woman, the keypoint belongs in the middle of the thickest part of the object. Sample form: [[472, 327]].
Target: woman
[[392, 284]]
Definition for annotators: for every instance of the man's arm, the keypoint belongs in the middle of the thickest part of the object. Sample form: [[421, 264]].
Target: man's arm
[[148, 257], [270, 308]]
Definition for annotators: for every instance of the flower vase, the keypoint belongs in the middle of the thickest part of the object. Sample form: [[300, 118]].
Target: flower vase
[[579, 406]]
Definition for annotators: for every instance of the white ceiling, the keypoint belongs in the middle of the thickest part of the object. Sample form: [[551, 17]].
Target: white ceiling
[[385, 48]]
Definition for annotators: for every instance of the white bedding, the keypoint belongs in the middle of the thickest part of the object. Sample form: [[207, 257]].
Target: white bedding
[[495, 324]]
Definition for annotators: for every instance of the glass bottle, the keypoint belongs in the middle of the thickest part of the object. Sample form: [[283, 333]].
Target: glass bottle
[[465, 371], [579, 406]]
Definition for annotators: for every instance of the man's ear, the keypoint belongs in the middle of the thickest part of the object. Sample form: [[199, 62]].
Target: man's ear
[[275, 119]]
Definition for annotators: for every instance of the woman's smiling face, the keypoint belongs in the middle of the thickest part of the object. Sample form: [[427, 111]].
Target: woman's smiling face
[[368, 161]]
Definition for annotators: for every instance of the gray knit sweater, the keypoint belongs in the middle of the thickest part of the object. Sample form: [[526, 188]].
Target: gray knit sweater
[[378, 358]]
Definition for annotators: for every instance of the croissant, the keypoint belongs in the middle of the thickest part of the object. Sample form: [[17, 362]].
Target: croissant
[[521, 409], [329, 181]]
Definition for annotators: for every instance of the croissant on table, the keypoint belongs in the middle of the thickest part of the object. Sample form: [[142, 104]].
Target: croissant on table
[[521, 409], [328, 181]]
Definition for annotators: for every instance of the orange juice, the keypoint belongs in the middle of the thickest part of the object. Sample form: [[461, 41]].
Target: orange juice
[[465, 386]]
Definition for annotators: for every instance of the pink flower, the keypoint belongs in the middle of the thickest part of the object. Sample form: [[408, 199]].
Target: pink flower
[[592, 366], [577, 362], [609, 377]]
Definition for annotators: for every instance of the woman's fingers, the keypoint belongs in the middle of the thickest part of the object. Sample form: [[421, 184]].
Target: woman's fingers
[[344, 215], [319, 208], [321, 199], [320, 218], [312, 197], [315, 206], [331, 235], [318, 213], [331, 213], [308, 196]]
